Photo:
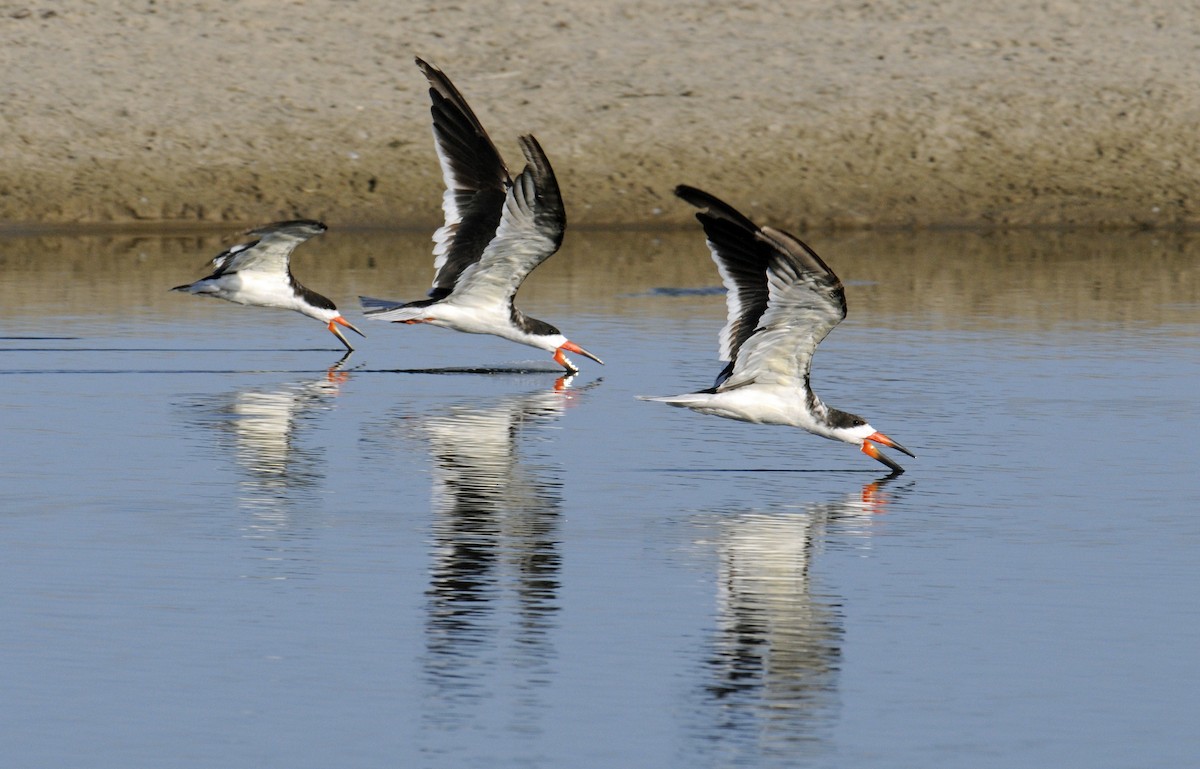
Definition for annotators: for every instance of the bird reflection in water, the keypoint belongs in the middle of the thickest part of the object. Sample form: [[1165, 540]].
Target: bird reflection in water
[[494, 577], [777, 650], [279, 471]]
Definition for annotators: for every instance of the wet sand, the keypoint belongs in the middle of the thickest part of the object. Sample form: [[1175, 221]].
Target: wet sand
[[811, 115], [925, 281]]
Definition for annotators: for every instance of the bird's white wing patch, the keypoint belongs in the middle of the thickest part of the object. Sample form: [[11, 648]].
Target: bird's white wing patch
[[220, 260], [443, 237]]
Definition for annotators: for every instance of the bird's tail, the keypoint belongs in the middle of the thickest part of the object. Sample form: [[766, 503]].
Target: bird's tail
[[199, 287], [387, 309], [683, 401], [371, 304]]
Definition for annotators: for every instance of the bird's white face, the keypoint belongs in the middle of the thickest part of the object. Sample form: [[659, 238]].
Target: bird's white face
[[856, 435], [320, 313], [549, 343]]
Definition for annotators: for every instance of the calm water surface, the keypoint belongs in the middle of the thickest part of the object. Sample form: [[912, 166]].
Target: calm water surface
[[218, 547]]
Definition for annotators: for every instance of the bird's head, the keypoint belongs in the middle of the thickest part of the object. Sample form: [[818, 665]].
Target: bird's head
[[856, 430], [542, 334]]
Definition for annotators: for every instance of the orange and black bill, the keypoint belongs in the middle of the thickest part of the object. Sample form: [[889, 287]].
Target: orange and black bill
[[572, 347], [340, 321], [872, 451]]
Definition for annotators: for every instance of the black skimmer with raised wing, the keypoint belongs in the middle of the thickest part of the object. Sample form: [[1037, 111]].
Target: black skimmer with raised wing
[[258, 273], [782, 300], [497, 230]]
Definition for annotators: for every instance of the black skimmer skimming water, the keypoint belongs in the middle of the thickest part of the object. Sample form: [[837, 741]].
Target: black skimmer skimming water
[[497, 230], [783, 300], [257, 273]]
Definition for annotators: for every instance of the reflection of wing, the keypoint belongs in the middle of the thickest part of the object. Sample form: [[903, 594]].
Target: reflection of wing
[[263, 430], [265, 424], [778, 645], [769, 614], [495, 533]]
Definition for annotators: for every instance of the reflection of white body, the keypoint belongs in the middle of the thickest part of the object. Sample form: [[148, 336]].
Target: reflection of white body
[[782, 300], [480, 480], [494, 577], [475, 457], [497, 231], [778, 645], [259, 274], [279, 471], [764, 593], [265, 425]]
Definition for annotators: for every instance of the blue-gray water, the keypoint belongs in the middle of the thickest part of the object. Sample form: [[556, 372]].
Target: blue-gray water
[[216, 551]]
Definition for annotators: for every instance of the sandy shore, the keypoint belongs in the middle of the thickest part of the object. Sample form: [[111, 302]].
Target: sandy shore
[[809, 114]]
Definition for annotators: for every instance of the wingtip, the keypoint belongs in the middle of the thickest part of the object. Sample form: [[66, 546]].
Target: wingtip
[[695, 196], [545, 182], [712, 206], [529, 143], [535, 155]]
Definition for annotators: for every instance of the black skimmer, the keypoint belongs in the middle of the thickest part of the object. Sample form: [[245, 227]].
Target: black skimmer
[[497, 230], [783, 300], [257, 273]]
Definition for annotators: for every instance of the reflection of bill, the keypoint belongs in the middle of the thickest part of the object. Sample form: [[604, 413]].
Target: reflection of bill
[[778, 644], [494, 576]]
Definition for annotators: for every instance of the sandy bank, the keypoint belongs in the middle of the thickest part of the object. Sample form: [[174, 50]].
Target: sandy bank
[[810, 114]]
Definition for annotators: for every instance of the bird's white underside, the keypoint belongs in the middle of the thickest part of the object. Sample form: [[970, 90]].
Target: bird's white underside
[[260, 289]]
